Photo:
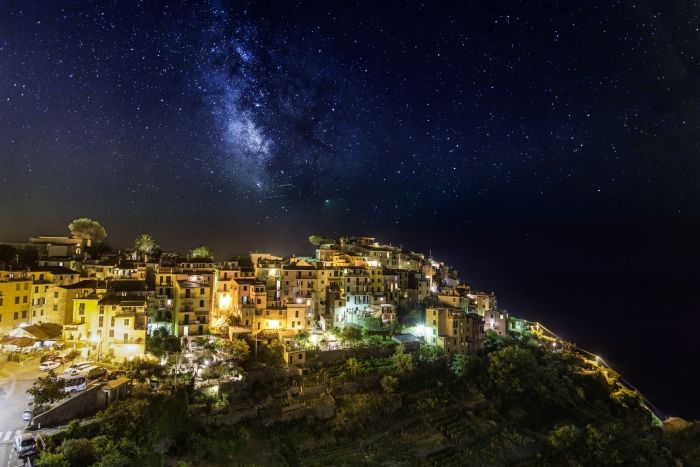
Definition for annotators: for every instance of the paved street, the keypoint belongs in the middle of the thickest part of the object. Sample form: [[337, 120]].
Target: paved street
[[15, 379]]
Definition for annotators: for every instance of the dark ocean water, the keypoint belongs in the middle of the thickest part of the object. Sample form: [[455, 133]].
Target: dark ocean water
[[628, 293]]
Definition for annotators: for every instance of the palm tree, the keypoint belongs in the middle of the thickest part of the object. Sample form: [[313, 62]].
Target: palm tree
[[145, 245]]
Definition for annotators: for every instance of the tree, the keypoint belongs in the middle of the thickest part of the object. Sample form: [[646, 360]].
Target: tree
[[202, 251], [79, 452], [51, 459], [320, 240], [563, 437], [353, 366], [513, 371], [161, 342], [350, 334], [492, 341], [145, 244], [459, 365], [18, 256], [87, 229], [142, 369], [430, 353], [237, 348], [233, 320], [47, 390], [402, 361], [389, 384]]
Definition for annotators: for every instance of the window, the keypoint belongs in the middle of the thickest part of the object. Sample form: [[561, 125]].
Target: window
[[36, 289], [101, 321], [55, 307], [126, 322], [0, 301], [25, 299], [201, 303], [26, 286], [16, 315], [55, 295], [111, 333], [34, 313], [201, 291], [17, 286], [258, 301], [24, 314], [126, 336], [16, 300]]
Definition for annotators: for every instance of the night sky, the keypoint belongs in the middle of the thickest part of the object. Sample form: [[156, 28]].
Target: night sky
[[548, 150]]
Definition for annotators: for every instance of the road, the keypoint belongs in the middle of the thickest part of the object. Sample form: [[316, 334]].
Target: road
[[15, 379]]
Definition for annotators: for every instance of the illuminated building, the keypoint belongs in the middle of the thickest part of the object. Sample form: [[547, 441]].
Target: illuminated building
[[15, 300], [109, 324], [454, 330]]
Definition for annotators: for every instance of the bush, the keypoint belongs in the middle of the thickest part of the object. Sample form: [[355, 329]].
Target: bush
[[79, 452], [389, 384], [51, 459]]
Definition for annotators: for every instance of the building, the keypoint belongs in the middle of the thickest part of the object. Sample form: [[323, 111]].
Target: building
[[496, 321], [454, 330], [112, 324], [15, 300]]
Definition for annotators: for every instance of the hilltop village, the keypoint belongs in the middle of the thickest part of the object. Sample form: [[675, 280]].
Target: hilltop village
[[362, 353], [107, 304]]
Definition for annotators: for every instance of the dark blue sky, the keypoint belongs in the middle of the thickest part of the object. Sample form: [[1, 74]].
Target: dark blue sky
[[548, 149]]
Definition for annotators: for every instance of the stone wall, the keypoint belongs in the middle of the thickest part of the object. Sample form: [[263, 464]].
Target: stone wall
[[81, 405]]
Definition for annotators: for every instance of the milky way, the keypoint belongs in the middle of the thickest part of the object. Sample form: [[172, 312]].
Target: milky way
[[347, 118]]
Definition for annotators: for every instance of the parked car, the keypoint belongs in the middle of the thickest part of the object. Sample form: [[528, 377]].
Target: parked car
[[25, 444], [77, 367], [27, 415], [50, 365], [93, 372]]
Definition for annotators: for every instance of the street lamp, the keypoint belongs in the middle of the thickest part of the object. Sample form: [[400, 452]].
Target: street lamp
[[96, 341]]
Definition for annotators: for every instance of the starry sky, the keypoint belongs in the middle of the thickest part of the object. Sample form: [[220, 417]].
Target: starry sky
[[547, 149]]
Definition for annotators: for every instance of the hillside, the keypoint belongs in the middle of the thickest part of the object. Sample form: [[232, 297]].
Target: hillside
[[519, 404]]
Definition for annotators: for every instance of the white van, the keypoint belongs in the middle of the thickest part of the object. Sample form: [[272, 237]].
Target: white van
[[76, 367], [93, 372], [25, 444]]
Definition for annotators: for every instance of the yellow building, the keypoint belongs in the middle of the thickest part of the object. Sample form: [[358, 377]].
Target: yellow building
[[454, 330], [15, 300], [482, 302], [193, 307], [111, 325]]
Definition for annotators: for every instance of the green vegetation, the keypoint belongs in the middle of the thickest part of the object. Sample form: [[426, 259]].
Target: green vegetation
[[145, 245], [87, 229], [202, 251], [319, 240], [47, 390], [520, 403], [161, 342]]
